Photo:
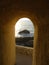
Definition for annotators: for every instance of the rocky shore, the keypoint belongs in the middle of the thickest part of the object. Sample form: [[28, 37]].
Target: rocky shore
[[24, 41]]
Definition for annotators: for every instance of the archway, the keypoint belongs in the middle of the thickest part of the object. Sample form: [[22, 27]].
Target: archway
[[35, 22], [24, 32], [8, 35], [24, 37]]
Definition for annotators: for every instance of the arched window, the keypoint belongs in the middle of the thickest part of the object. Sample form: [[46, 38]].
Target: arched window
[[24, 32]]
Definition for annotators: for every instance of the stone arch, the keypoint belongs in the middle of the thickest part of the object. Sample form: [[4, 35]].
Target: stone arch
[[8, 36], [32, 17], [35, 21], [9, 13]]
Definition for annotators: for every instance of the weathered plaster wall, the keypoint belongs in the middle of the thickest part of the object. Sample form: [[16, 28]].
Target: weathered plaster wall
[[38, 12], [7, 45], [41, 50]]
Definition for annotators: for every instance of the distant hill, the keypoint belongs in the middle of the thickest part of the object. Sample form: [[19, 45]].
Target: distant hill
[[24, 32], [25, 39]]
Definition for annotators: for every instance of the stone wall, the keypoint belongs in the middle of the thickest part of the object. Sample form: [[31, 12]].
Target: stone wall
[[24, 50]]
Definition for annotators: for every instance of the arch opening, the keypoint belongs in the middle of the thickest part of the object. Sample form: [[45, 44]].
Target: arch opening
[[24, 32]]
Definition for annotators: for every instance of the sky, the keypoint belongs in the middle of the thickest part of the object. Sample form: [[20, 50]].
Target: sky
[[24, 24]]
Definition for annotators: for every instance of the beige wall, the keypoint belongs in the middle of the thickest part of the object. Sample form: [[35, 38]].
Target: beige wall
[[41, 44], [7, 45]]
